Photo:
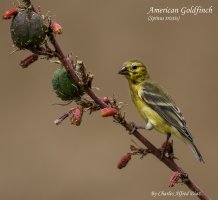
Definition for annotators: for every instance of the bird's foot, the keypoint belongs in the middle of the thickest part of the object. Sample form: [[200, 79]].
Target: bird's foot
[[165, 145], [162, 153], [167, 148], [135, 127]]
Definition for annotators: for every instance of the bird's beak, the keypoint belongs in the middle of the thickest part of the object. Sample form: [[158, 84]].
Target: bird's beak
[[124, 71]]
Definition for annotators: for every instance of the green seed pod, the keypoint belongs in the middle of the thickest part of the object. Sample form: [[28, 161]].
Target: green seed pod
[[64, 86], [27, 29]]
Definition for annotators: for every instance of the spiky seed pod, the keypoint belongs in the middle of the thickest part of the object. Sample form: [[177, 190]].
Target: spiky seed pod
[[64, 86], [28, 29]]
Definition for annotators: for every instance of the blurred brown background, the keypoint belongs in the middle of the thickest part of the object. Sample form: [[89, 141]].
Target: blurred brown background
[[41, 161]]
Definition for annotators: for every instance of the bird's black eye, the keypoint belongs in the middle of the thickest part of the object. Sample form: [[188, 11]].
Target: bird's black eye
[[134, 67]]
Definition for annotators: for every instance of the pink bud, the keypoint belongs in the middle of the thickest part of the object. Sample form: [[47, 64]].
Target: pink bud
[[124, 161], [56, 28], [107, 112], [174, 178], [76, 117], [10, 13], [29, 60]]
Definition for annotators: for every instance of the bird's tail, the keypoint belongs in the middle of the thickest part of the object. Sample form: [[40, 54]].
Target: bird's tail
[[195, 151]]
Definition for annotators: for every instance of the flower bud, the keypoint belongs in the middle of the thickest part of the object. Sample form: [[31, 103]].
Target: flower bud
[[76, 117], [174, 178], [107, 112], [124, 161], [56, 28], [10, 13], [29, 60]]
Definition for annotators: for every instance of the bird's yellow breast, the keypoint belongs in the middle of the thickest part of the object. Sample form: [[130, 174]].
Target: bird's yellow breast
[[148, 113]]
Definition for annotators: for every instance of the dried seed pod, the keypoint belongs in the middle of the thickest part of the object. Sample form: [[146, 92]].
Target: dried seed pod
[[28, 29], [64, 86]]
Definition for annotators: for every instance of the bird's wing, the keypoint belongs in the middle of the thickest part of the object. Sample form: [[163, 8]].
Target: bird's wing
[[162, 104]]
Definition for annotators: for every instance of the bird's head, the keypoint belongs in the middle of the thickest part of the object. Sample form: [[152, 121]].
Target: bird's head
[[135, 71]]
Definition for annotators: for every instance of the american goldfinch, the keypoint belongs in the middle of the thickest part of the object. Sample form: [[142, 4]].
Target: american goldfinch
[[155, 106]]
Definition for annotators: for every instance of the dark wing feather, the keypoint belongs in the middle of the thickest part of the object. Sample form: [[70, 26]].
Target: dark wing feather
[[160, 102]]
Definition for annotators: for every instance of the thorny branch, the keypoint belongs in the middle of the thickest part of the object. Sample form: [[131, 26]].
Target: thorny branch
[[68, 63]]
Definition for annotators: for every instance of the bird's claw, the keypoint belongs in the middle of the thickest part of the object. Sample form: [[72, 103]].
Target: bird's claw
[[167, 148], [162, 152]]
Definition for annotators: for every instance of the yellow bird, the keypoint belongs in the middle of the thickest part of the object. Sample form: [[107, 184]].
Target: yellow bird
[[155, 106]]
